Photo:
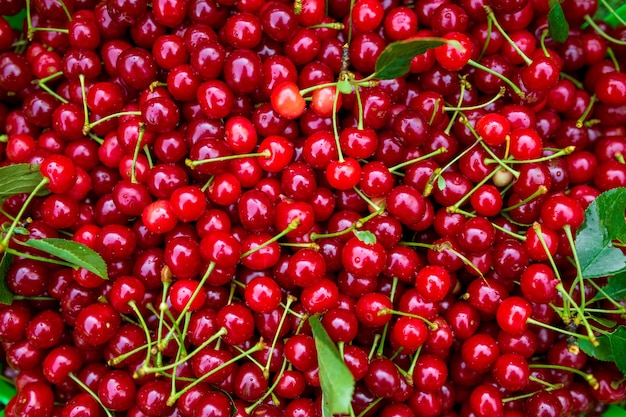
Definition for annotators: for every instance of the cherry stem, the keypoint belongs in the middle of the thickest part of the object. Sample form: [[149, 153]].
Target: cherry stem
[[418, 159], [561, 152], [368, 408], [67, 12], [329, 25], [413, 365], [375, 206], [308, 90], [452, 209], [611, 54], [266, 368], [295, 223], [38, 258], [334, 121], [496, 74], [587, 377], [374, 347], [492, 17], [145, 328], [119, 359], [530, 320], [356, 225], [541, 190], [40, 29], [90, 392], [90, 126], [83, 93], [577, 83], [495, 98], [192, 164], [145, 370], [581, 120], [161, 313], [257, 347], [385, 311], [133, 167], [602, 33], [7, 237], [473, 190], [464, 84], [29, 23], [437, 173], [359, 104], [620, 308], [270, 390], [544, 383], [530, 394], [42, 84]]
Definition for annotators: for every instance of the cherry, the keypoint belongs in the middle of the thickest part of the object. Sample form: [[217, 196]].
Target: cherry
[[372, 310], [117, 390]]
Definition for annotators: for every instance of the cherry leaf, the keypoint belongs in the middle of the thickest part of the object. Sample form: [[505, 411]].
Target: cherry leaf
[[618, 344], [6, 296], [335, 378], [557, 24], [604, 222], [395, 60], [441, 183], [72, 252], [602, 352], [365, 236], [20, 178]]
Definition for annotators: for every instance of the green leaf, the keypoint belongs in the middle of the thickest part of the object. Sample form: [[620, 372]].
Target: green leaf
[[365, 236], [72, 252], [20, 178], [335, 378], [441, 183], [602, 352], [395, 60], [6, 296], [557, 24], [604, 222], [618, 344]]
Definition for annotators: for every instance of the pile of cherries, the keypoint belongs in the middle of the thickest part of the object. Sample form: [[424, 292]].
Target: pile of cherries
[[242, 165]]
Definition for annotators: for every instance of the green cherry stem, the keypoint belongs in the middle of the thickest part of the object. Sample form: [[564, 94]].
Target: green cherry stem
[[260, 345], [133, 167], [530, 394], [495, 98], [354, 226], [7, 237], [270, 390], [602, 33], [334, 122], [574, 81], [308, 90], [90, 126], [541, 190], [290, 300], [429, 184], [463, 199], [359, 104], [369, 202], [429, 155], [613, 58], [92, 394], [192, 164], [464, 85], [587, 377], [496, 74], [492, 17], [580, 122], [561, 152], [295, 223], [453, 209], [83, 92]]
